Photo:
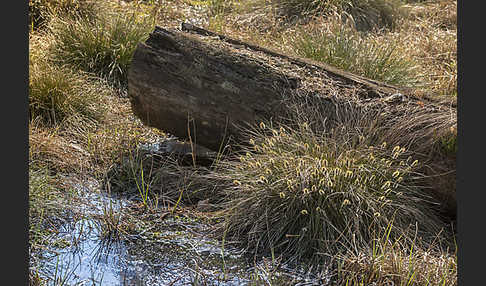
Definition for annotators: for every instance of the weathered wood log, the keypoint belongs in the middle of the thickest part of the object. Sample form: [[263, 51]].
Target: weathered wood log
[[203, 86], [194, 83]]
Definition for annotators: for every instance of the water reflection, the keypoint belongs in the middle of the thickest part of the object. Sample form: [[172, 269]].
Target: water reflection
[[89, 260], [167, 257], [171, 259]]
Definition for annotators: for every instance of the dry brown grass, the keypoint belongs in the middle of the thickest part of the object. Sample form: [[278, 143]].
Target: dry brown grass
[[80, 146], [387, 263], [120, 134], [428, 36], [42, 11], [54, 151]]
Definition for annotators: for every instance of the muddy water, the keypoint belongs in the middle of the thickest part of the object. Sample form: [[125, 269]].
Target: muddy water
[[175, 254]]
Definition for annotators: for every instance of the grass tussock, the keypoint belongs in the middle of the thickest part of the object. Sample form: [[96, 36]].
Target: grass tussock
[[42, 11], [57, 92], [103, 46], [432, 135], [301, 193], [345, 48], [366, 14]]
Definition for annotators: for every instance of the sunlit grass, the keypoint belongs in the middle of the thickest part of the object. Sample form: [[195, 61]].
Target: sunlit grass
[[343, 47], [429, 37], [385, 262], [103, 46], [57, 92], [367, 15]]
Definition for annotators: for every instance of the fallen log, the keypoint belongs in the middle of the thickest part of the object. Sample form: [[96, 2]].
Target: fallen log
[[194, 83], [203, 86]]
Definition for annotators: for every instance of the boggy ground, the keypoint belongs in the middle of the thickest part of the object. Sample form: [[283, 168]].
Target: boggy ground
[[337, 196]]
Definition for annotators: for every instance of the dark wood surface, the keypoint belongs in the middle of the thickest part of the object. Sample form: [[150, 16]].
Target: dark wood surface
[[204, 87]]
